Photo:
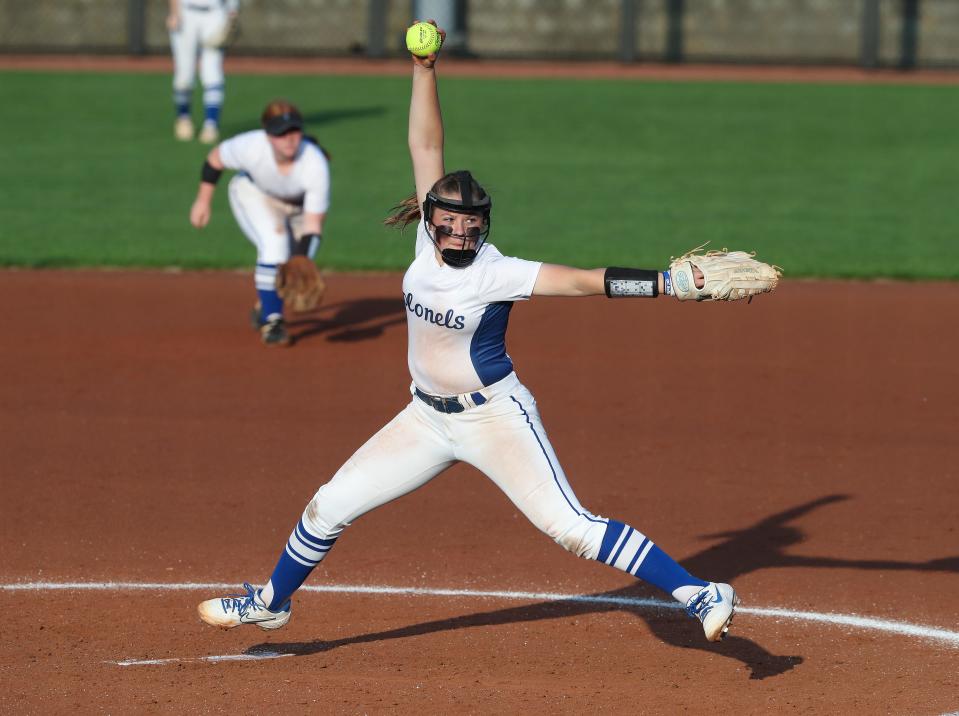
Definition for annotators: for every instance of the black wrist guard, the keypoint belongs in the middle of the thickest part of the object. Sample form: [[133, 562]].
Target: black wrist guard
[[307, 244], [210, 175], [631, 283]]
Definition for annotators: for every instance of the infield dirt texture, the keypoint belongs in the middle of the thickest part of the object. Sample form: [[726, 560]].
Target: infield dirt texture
[[802, 447]]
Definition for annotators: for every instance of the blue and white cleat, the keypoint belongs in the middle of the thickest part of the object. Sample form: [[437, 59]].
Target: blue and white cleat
[[715, 606], [235, 609]]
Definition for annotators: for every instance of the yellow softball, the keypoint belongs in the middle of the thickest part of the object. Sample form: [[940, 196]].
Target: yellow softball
[[423, 39]]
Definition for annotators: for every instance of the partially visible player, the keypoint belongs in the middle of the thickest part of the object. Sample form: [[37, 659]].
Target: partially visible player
[[198, 31], [467, 403], [280, 197]]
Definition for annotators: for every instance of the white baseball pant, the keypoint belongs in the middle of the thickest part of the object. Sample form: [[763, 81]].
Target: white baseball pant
[[188, 41], [503, 438]]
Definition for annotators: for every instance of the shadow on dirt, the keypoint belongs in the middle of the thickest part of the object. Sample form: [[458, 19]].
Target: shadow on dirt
[[757, 547], [349, 321]]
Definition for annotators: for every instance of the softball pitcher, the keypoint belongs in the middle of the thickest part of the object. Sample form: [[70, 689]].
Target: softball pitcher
[[467, 403], [279, 197], [198, 31]]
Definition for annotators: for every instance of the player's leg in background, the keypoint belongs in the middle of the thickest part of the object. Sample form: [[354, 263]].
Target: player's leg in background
[[183, 44], [212, 78], [266, 229], [407, 453], [506, 440]]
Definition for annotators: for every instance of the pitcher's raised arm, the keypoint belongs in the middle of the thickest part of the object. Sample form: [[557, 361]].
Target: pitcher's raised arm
[[425, 125]]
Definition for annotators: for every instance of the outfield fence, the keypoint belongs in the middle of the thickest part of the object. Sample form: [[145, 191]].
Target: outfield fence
[[870, 33]]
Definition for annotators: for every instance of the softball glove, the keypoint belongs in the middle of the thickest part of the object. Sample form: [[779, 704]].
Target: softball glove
[[728, 275], [299, 284]]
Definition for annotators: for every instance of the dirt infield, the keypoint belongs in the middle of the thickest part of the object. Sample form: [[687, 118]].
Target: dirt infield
[[147, 437]]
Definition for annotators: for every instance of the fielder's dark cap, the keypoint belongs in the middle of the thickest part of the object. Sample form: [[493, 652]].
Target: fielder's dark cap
[[283, 123]]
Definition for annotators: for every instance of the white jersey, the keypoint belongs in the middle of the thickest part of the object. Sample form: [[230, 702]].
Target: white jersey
[[207, 5], [306, 185], [457, 317]]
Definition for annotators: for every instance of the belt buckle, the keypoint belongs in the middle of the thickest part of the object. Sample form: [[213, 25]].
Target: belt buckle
[[440, 403]]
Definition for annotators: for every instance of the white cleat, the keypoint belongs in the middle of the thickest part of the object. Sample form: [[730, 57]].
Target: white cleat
[[183, 129], [236, 609], [714, 605], [209, 133]]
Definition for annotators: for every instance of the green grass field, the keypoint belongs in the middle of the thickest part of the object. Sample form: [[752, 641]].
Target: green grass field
[[824, 180]]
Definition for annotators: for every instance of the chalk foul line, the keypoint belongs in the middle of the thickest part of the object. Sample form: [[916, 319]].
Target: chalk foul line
[[938, 635]]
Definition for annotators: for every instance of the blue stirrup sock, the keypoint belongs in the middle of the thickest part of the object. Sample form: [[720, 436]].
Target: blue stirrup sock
[[181, 102], [303, 552], [271, 305], [211, 114], [634, 553], [212, 101]]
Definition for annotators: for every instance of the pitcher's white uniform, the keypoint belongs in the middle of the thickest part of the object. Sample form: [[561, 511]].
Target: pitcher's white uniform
[[468, 404], [480, 414], [268, 205], [457, 319]]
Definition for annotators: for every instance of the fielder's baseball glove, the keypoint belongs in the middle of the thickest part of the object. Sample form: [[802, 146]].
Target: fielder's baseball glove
[[729, 275], [299, 283]]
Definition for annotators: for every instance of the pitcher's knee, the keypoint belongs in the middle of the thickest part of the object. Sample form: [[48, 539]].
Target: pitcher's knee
[[581, 536], [321, 517]]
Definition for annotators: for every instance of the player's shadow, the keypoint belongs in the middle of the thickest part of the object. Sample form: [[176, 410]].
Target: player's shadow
[[760, 546], [313, 120], [331, 116], [349, 321]]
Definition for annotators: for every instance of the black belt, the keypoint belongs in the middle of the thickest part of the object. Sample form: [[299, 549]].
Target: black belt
[[447, 405]]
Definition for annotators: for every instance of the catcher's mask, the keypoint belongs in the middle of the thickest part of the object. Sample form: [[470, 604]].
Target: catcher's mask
[[479, 206]]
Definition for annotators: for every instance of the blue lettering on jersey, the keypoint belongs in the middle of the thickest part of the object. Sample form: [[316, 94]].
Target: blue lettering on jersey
[[446, 320]]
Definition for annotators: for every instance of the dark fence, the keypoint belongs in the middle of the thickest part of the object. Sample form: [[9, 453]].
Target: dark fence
[[869, 33]]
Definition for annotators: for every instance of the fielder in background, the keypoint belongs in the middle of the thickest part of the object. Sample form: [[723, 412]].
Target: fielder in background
[[279, 197], [467, 403], [199, 31]]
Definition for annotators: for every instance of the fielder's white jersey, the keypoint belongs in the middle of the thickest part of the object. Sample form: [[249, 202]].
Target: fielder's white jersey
[[307, 184], [207, 5], [457, 317]]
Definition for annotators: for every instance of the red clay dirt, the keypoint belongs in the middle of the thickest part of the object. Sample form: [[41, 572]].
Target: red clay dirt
[[802, 447], [146, 436]]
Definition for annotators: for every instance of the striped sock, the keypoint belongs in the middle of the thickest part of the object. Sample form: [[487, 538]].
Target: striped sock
[[212, 101], [303, 552], [181, 102], [634, 553], [271, 305], [211, 114]]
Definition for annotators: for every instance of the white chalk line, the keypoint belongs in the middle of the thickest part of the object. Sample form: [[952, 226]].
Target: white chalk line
[[935, 634], [258, 656]]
